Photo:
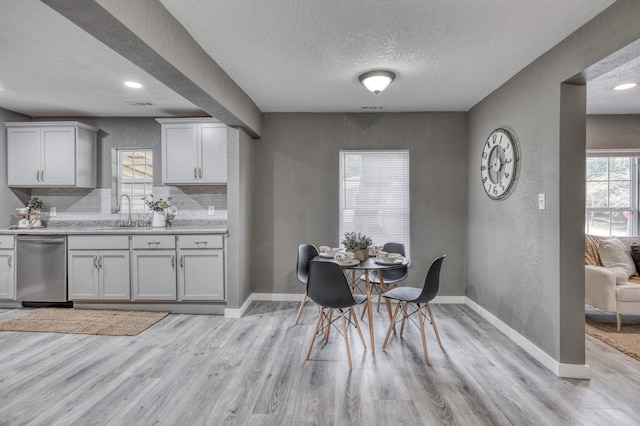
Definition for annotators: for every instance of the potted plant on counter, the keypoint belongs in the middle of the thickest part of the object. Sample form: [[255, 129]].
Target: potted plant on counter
[[35, 205], [159, 208], [357, 243]]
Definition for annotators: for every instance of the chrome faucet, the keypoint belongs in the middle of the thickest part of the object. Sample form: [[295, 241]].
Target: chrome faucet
[[119, 208]]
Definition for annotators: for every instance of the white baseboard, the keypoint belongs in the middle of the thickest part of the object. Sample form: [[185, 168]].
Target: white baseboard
[[455, 300], [572, 371], [278, 297], [237, 313]]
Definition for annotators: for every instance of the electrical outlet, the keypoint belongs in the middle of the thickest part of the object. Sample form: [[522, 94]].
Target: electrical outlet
[[52, 211], [212, 211], [541, 202]]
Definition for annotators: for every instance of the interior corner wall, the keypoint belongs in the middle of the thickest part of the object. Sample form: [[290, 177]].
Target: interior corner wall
[[9, 200], [297, 188], [516, 267]]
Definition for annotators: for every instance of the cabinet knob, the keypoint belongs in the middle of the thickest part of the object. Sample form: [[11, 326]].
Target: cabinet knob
[[182, 261], [173, 261], [9, 261], [153, 243], [195, 173], [200, 172], [95, 262]]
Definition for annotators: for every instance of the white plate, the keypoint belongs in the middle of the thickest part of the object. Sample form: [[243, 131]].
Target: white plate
[[348, 262], [327, 255], [390, 261]]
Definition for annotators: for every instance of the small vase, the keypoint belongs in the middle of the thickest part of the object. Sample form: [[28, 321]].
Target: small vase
[[159, 220], [361, 255]]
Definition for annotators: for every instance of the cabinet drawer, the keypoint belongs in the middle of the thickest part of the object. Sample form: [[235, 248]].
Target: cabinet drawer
[[93, 242], [153, 242], [6, 241], [200, 241]]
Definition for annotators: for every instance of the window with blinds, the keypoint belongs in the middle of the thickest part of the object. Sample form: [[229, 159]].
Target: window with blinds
[[374, 195], [135, 177]]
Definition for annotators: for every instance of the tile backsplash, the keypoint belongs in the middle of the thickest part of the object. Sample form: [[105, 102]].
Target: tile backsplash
[[74, 204]]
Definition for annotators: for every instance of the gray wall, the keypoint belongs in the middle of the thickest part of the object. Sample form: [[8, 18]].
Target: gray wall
[[296, 189], [613, 131], [240, 170], [9, 200], [523, 262]]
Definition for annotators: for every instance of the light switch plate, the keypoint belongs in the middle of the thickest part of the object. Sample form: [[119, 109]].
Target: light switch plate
[[542, 205], [211, 211], [52, 211]]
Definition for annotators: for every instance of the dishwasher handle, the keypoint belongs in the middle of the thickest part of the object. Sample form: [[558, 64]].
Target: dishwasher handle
[[42, 239]]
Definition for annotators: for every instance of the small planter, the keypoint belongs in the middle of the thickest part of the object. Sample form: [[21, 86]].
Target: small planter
[[159, 220], [361, 255]]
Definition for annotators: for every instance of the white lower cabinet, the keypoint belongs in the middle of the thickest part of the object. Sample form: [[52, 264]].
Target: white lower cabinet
[[7, 268], [99, 267], [201, 267], [154, 275], [99, 275]]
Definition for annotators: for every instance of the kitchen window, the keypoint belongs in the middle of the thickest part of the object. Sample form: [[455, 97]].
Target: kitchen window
[[612, 192], [374, 195], [135, 177]]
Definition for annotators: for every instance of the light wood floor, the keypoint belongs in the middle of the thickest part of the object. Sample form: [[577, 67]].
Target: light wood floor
[[208, 370]]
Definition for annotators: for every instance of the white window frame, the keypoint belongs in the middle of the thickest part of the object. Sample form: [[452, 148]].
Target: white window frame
[[634, 155], [404, 211], [121, 180]]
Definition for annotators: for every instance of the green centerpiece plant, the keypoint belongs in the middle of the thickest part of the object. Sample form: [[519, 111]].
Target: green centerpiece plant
[[357, 243], [35, 204]]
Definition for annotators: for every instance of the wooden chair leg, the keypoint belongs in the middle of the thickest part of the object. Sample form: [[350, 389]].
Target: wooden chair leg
[[424, 339], [379, 297], [304, 300], [619, 321], [433, 323], [315, 332], [404, 316], [355, 320], [346, 338], [391, 326], [364, 310], [326, 330]]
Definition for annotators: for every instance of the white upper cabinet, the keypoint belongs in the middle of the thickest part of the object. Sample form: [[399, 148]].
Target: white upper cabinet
[[51, 154], [194, 151]]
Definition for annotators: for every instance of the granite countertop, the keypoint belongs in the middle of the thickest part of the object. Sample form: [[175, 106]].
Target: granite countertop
[[110, 229]]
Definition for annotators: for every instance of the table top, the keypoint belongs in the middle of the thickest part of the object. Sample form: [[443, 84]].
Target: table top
[[367, 265]]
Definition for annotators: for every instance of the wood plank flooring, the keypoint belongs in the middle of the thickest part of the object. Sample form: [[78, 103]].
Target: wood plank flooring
[[209, 370]]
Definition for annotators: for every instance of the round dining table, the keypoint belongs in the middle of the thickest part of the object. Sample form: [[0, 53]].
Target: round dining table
[[367, 267]]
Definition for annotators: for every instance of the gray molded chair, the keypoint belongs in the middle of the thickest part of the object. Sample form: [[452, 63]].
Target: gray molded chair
[[418, 299], [390, 277], [306, 252], [329, 288]]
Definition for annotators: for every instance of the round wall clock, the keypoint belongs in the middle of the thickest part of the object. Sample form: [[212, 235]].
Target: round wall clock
[[499, 164]]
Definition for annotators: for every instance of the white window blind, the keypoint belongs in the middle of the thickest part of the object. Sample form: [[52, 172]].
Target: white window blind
[[135, 177], [374, 195]]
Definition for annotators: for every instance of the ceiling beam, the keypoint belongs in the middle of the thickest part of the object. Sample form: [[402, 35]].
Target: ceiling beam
[[146, 34]]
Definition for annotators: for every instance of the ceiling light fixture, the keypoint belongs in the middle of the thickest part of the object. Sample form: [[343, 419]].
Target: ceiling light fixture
[[625, 86], [376, 81], [133, 84]]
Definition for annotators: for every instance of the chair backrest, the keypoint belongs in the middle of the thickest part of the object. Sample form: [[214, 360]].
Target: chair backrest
[[432, 282], [306, 252], [395, 274], [328, 286]]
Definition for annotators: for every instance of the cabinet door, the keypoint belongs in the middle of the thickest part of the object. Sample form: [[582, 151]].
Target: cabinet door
[[201, 275], [114, 274], [83, 275], [213, 154], [179, 153], [58, 156], [7, 275], [23, 156], [154, 275]]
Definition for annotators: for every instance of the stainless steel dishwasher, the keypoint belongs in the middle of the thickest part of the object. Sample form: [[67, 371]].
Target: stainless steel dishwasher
[[41, 274]]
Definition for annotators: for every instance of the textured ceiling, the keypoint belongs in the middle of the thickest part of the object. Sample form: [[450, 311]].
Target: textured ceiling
[[300, 56], [448, 55]]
